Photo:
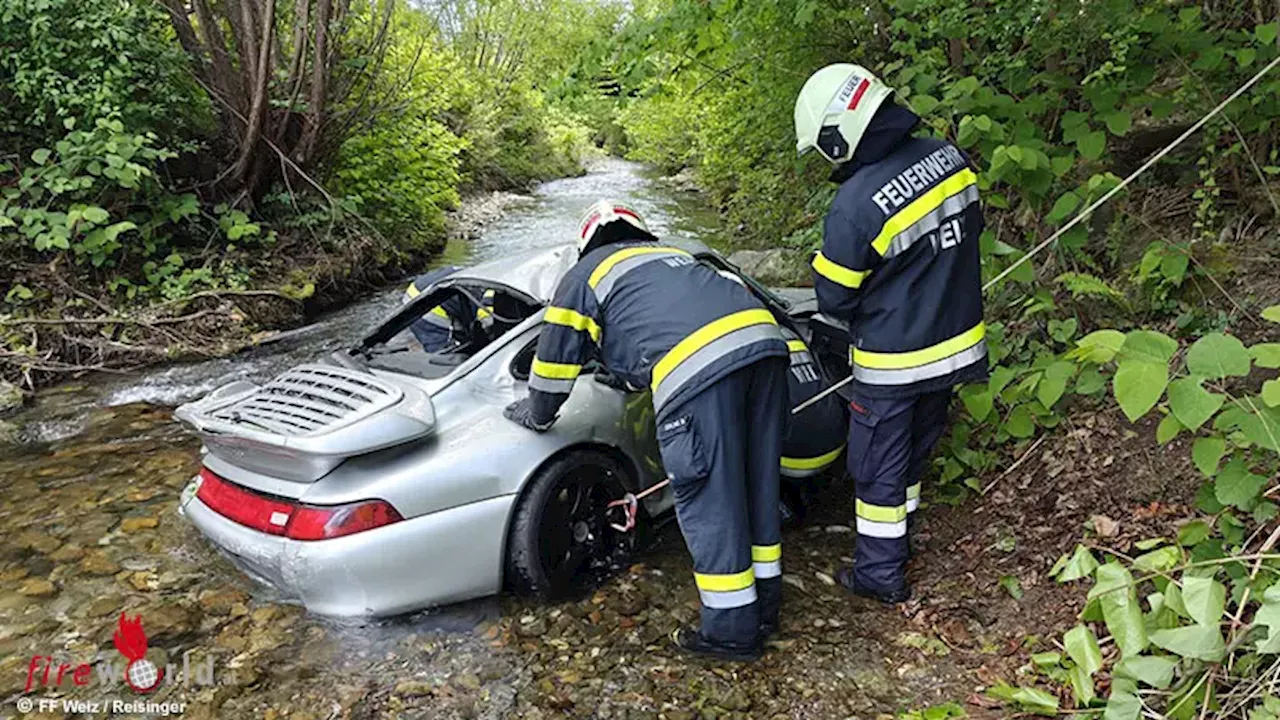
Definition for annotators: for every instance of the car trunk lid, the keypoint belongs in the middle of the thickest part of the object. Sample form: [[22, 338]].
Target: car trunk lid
[[304, 423]]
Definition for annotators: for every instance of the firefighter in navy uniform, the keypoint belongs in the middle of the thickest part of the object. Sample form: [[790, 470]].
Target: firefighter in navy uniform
[[715, 360], [450, 321], [815, 436], [900, 266]]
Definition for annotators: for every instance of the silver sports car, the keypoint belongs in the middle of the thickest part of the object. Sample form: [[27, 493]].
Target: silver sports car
[[383, 479]]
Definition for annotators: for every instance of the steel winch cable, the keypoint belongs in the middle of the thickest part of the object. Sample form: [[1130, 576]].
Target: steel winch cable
[[1087, 211]]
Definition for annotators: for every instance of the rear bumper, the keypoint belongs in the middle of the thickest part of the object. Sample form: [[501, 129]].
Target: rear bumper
[[434, 559]]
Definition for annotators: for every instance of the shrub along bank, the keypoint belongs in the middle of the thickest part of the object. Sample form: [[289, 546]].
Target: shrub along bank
[[175, 177]]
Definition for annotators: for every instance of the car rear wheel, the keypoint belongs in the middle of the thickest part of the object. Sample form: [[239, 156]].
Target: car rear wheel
[[560, 533]]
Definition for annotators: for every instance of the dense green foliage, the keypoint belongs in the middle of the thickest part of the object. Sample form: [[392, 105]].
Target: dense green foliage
[[1053, 101], [123, 172]]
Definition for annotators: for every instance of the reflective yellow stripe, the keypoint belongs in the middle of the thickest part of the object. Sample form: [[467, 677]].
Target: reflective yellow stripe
[[812, 463], [839, 274], [488, 293], [573, 319], [412, 291], [607, 264], [921, 206], [705, 335], [914, 358], [797, 346], [482, 313], [766, 553], [555, 371], [725, 583], [880, 513], [438, 310]]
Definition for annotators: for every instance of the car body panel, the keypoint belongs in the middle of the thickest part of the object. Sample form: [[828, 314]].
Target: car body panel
[[456, 486]]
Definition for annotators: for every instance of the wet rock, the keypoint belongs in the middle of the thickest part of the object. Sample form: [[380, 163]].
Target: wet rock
[[778, 267], [167, 622], [99, 563], [531, 626], [9, 433], [67, 554], [243, 671], [103, 606], [144, 581], [735, 699], [414, 688], [14, 573], [11, 397], [38, 565], [38, 587], [222, 600], [877, 684], [134, 524], [38, 541], [470, 681]]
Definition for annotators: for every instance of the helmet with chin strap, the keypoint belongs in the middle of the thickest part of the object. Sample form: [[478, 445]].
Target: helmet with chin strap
[[610, 221], [834, 109]]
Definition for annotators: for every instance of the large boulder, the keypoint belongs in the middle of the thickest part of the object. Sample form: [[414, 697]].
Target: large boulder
[[11, 397], [779, 267]]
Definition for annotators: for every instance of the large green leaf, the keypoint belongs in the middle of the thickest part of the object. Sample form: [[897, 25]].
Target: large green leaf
[[1148, 346], [1152, 670], [1054, 383], [1266, 355], [1237, 486], [1062, 208], [1138, 386], [1205, 599], [1272, 313], [1099, 346], [1079, 564], [1271, 393], [1122, 706], [1218, 356], [1194, 641], [1158, 561], [1082, 646], [1092, 145], [1191, 403], [1206, 453], [1268, 616], [1020, 423], [1114, 591], [977, 400]]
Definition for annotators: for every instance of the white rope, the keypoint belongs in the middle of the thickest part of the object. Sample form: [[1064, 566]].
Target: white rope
[[1085, 212], [1145, 166]]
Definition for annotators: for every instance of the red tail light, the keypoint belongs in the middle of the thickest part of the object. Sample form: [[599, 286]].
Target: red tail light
[[293, 520], [242, 506], [322, 523]]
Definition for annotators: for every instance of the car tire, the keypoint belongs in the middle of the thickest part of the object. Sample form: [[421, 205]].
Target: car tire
[[554, 539]]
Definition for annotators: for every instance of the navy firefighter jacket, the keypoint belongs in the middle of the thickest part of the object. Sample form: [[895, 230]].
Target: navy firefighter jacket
[[815, 436], [660, 319], [900, 264], [439, 325]]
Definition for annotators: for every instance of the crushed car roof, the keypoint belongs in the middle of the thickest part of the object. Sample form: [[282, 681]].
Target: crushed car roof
[[537, 272]]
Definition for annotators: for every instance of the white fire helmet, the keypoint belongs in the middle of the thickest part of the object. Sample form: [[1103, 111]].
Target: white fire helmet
[[834, 108], [604, 212]]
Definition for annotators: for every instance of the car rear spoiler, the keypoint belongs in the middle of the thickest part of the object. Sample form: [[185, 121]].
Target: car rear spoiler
[[306, 421]]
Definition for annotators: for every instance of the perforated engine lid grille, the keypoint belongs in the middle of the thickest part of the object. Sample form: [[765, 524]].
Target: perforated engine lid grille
[[310, 399]]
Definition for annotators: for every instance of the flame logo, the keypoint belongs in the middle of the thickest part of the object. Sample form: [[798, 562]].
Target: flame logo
[[130, 639]]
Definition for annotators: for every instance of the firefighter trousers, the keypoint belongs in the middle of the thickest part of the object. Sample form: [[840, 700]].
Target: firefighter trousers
[[722, 448], [889, 445]]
